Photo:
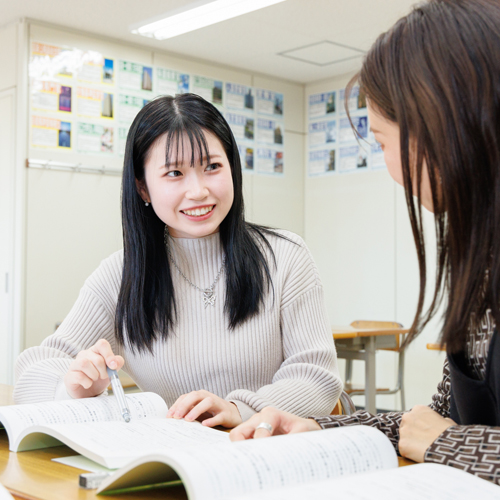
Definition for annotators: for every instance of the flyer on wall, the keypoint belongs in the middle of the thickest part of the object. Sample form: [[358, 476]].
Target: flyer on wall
[[50, 62], [270, 161], [242, 126], [269, 132], [246, 157], [170, 82], [240, 97], [353, 158], [321, 161], [51, 96], [94, 103], [322, 105], [129, 106], [135, 76], [97, 69], [94, 139], [322, 133], [346, 132], [50, 133], [208, 88], [270, 103], [357, 100]]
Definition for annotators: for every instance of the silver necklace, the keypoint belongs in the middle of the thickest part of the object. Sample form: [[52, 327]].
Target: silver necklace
[[209, 295]]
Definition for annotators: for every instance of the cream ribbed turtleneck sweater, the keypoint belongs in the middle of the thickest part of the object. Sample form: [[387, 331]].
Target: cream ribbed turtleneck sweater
[[283, 357]]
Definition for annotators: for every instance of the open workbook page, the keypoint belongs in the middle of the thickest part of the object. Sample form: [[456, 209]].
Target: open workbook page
[[18, 418], [416, 482], [257, 465], [95, 428]]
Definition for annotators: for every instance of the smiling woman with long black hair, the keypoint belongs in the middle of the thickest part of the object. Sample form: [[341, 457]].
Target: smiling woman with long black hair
[[219, 316]]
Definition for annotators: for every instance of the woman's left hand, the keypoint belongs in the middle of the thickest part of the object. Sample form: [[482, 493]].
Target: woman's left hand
[[419, 428], [206, 407]]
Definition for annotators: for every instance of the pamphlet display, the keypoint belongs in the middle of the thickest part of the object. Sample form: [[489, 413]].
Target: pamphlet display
[[338, 144], [85, 101]]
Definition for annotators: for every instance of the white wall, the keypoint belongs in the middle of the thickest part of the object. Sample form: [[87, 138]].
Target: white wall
[[11, 196], [357, 228], [73, 220]]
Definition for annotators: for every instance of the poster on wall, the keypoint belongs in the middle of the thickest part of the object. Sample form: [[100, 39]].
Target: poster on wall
[[135, 76], [170, 82], [346, 132], [129, 106], [240, 97], [50, 133], [94, 103], [242, 126], [353, 158], [322, 133], [94, 139], [246, 158], [269, 161], [50, 62], [357, 101], [95, 68], [322, 105], [322, 161], [208, 88], [51, 96], [269, 131], [269, 103]]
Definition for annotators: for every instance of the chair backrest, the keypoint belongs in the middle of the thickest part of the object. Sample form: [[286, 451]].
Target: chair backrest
[[344, 406]]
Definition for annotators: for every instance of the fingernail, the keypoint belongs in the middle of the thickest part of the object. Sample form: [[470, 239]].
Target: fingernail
[[112, 365], [177, 414], [188, 417]]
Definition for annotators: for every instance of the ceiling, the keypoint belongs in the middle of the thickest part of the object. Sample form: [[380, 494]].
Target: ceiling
[[297, 40]]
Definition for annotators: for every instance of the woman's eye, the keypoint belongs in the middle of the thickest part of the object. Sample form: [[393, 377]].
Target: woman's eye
[[212, 166], [174, 173]]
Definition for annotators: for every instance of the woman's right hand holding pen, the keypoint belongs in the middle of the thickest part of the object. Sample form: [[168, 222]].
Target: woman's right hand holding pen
[[87, 375]]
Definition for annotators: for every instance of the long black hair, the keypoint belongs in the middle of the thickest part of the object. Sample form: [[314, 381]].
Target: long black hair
[[436, 74], [146, 307]]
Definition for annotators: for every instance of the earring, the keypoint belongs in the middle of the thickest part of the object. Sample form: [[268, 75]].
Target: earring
[[146, 203]]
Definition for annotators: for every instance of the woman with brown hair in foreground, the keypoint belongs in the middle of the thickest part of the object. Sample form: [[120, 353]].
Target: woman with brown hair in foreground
[[433, 90]]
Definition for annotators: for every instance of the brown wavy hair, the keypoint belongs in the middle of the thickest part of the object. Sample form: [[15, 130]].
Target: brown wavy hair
[[436, 73]]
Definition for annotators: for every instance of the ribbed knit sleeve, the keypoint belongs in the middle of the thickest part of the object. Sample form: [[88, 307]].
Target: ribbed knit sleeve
[[40, 370], [307, 380]]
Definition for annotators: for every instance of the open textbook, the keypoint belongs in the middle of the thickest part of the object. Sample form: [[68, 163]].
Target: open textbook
[[95, 428], [298, 466]]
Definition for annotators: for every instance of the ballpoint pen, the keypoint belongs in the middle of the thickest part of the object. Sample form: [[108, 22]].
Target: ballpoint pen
[[118, 392]]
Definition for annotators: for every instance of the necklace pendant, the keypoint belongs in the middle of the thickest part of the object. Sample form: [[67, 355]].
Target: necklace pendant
[[208, 297]]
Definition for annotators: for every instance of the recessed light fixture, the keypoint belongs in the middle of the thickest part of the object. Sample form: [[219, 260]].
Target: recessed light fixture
[[196, 16]]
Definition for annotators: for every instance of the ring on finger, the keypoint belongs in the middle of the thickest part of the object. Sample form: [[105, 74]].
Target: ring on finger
[[266, 426]]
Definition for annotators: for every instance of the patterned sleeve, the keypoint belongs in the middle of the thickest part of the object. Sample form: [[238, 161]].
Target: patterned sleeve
[[389, 423], [471, 448]]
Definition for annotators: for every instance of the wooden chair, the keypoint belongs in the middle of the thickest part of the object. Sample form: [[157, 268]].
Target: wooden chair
[[344, 406], [399, 387]]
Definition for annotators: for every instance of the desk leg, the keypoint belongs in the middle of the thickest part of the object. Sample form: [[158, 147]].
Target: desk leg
[[370, 384]]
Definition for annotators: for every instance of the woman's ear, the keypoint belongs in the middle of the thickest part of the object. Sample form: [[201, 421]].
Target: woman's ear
[[143, 191]]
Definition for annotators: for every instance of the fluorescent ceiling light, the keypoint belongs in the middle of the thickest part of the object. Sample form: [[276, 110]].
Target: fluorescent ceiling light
[[198, 16]]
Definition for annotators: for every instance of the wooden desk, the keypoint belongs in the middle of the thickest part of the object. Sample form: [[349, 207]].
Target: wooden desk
[[362, 343], [31, 475]]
